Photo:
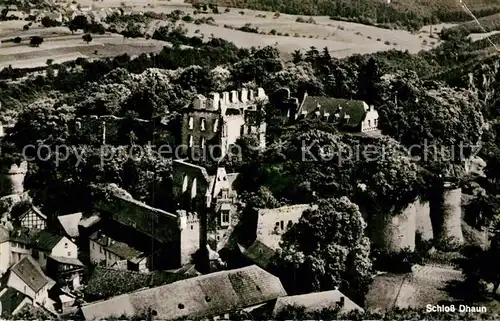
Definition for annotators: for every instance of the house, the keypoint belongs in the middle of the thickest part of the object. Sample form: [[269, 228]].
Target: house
[[20, 240], [27, 277], [212, 295], [316, 302], [104, 249], [220, 120], [67, 271], [258, 253], [348, 115], [32, 218], [12, 301], [69, 225], [47, 245]]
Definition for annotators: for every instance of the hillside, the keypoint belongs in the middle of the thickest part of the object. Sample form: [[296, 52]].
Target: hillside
[[489, 23], [410, 14]]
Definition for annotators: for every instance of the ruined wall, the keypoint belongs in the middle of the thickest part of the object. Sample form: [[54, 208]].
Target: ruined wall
[[423, 219], [111, 129], [189, 225], [452, 216]]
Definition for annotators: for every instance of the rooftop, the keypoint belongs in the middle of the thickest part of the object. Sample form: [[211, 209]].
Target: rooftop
[[258, 253], [330, 105], [70, 223], [30, 273], [10, 299], [123, 250], [316, 301], [208, 295], [45, 240], [89, 221]]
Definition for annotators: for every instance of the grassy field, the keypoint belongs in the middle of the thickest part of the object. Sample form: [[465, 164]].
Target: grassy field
[[61, 45]]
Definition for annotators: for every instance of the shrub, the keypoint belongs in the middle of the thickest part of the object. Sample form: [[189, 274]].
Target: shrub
[[187, 18], [378, 39], [300, 19], [227, 10], [277, 15], [17, 40], [311, 20], [26, 27], [273, 32], [242, 12]]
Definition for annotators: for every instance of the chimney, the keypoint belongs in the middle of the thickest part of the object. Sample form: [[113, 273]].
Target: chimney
[[251, 95], [244, 95], [234, 96]]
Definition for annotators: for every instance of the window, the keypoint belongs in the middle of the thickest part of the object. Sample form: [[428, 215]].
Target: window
[[282, 225], [69, 253], [375, 121], [191, 226], [190, 141], [369, 123], [202, 142], [100, 249], [109, 255], [190, 122], [93, 246], [216, 124], [224, 194], [65, 245], [25, 289], [225, 217], [202, 125], [35, 254]]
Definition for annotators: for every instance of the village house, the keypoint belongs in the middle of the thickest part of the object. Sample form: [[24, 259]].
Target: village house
[[27, 277], [112, 253], [217, 122], [317, 301], [69, 225], [349, 115], [12, 301], [68, 272], [19, 244], [46, 245], [210, 296], [32, 218]]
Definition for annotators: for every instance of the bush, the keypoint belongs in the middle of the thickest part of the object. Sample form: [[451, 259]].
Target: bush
[[26, 27], [387, 42], [17, 40], [227, 10], [300, 19], [187, 18], [242, 12]]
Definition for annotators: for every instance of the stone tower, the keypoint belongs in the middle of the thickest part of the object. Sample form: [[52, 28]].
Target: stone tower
[[12, 179]]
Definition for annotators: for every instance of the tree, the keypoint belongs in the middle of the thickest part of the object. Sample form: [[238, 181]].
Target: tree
[[26, 27], [87, 38], [36, 41], [50, 62], [48, 22], [328, 248], [79, 22]]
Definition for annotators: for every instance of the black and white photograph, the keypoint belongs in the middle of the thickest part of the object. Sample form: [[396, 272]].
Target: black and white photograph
[[168, 160]]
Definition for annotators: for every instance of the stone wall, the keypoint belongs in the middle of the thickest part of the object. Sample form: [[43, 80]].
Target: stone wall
[[190, 235], [112, 130]]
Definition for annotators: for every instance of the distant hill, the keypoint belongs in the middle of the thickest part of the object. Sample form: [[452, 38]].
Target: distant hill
[[410, 14], [489, 23]]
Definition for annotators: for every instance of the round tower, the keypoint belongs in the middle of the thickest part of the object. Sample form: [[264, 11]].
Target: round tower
[[12, 179], [451, 230]]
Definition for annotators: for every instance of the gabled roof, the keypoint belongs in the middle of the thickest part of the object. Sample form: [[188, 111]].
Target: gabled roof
[[10, 300], [123, 250], [35, 210], [354, 108], [259, 253], [208, 295], [45, 240], [89, 221], [30, 273], [66, 260], [316, 301], [70, 223]]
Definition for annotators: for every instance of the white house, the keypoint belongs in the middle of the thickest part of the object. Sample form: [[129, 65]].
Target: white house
[[370, 121], [27, 277], [46, 244]]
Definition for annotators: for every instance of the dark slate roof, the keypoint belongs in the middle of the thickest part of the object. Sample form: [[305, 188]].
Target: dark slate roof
[[108, 282], [259, 253], [316, 301], [10, 300], [203, 296], [354, 108], [45, 240], [123, 250], [30, 273]]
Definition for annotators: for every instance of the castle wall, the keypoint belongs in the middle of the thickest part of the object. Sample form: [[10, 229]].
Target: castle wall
[[211, 132], [423, 219], [452, 215], [113, 130], [190, 237], [184, 177], [398, 231], [234, 125]]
